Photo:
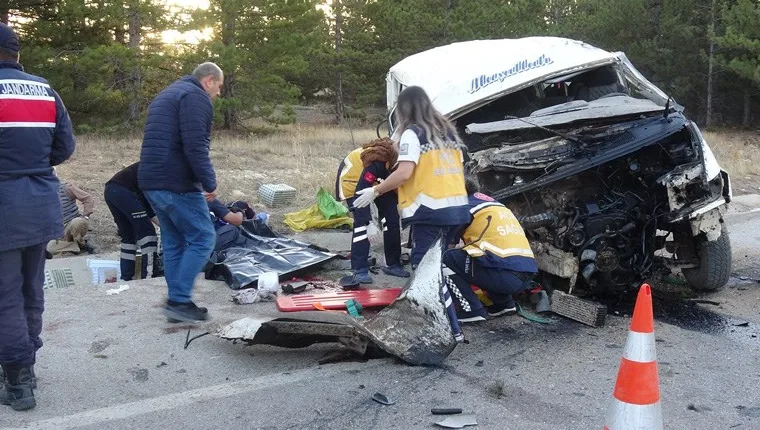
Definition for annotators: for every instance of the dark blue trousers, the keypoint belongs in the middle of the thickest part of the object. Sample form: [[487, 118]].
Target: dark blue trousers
[[387, 209], [423, 238], [22, 301], [135, 229], [498, 283]]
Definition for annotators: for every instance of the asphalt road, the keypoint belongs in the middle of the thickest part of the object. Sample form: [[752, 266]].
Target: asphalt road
[[112, 362]]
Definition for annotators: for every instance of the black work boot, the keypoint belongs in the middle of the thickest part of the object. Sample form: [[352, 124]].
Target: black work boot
[[19, 393], [34, 378], [184, 312]]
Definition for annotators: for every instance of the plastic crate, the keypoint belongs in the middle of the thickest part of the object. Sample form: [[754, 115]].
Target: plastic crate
[[104, 271], [274, 195]]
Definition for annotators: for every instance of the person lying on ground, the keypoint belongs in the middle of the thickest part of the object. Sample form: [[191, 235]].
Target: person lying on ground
[[363, 168], [134, 220], [76, 221], [496, 258]]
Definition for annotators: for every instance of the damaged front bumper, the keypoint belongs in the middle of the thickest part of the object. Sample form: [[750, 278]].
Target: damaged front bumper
[[415, 327]]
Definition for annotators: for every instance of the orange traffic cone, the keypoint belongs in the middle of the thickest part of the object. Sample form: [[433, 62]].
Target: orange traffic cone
[[636, 399]]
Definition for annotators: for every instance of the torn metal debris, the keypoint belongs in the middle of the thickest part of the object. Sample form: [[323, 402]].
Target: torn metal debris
[[415, 327]]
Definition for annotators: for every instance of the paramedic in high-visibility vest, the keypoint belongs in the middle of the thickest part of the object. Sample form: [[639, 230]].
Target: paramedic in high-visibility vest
[[363, 168], [430, 173], [496, 258]]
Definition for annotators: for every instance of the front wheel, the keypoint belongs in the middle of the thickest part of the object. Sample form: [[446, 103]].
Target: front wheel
[[714, 263]]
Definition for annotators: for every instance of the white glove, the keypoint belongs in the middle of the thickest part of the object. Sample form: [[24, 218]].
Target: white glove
[[373, 234], [366, 196]]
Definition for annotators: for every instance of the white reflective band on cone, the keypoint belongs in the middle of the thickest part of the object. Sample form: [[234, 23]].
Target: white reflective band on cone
[[625, 416], [640, 347]]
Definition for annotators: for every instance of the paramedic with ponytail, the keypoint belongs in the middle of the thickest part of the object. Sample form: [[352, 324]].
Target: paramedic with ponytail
[[430, 174]]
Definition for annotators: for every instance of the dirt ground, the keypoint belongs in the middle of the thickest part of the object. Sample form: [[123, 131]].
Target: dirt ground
[[306, 156]]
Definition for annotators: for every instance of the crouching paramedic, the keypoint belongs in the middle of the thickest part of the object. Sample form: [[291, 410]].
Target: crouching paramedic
[[363, 168], [134, 220], [497, 258]]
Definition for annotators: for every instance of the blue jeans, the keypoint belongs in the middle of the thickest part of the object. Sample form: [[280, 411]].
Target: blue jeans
[[187, 236]]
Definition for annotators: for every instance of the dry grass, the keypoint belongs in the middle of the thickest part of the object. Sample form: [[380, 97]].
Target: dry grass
[[305, 157], [737, 152]]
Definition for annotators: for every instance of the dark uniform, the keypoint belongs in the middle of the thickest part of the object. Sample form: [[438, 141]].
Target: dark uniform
[[497, 258], [352, 177], [35, 134], [132, 214]]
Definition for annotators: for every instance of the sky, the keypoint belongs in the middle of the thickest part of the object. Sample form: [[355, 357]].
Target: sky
[[195, 36]]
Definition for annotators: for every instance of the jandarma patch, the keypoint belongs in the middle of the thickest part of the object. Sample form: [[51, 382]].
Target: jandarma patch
[[483, 81]]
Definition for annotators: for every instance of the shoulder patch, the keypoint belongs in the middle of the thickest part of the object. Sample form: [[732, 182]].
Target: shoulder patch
[[483, 197], [403, 149], [369, 177]]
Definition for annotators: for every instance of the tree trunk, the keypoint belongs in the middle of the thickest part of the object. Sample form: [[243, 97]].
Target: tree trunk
[[339, 107], [135, 37], [710, 66], [4, 14], [229, 13], [747, 118]]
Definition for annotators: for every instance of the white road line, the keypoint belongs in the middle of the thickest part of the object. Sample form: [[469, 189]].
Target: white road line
[[175, 400]]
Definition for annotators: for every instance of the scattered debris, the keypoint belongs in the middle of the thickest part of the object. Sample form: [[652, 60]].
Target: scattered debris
[[274, 195], [575, 308], [496, 389], [188, 339], [479, 363], [138, 374], [116, 291], [706, 302], [458, 421], [99, 346], [295, 287], [161, 364], [691, 407], [100, 356], [58, 278], [414, 327], [382, 399], [446, 411], [741, 324], [252, 295]]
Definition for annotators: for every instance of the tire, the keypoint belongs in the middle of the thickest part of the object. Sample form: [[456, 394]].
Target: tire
[[714, 263]]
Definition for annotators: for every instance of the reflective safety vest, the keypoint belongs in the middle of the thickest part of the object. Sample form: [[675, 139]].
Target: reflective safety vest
[[435, 193], [349, 175], [502, 238]]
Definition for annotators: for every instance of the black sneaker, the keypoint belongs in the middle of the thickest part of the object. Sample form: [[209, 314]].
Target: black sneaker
[[470, 317], [499, 309], [184, 312]]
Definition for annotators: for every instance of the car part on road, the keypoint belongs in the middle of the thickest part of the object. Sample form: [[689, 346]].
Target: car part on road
[[415, 327], [382, 399], [458, 421], [446, 411], [585, 311]]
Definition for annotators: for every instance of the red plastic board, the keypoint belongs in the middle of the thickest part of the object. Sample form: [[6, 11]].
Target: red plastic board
[[337, 300]]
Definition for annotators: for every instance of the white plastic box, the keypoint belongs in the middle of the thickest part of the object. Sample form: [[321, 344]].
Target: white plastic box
[[274, 195], [104, 271]]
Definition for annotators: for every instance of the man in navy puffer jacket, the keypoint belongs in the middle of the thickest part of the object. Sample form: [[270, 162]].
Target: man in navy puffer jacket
[[35, 134], [177, 178]]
